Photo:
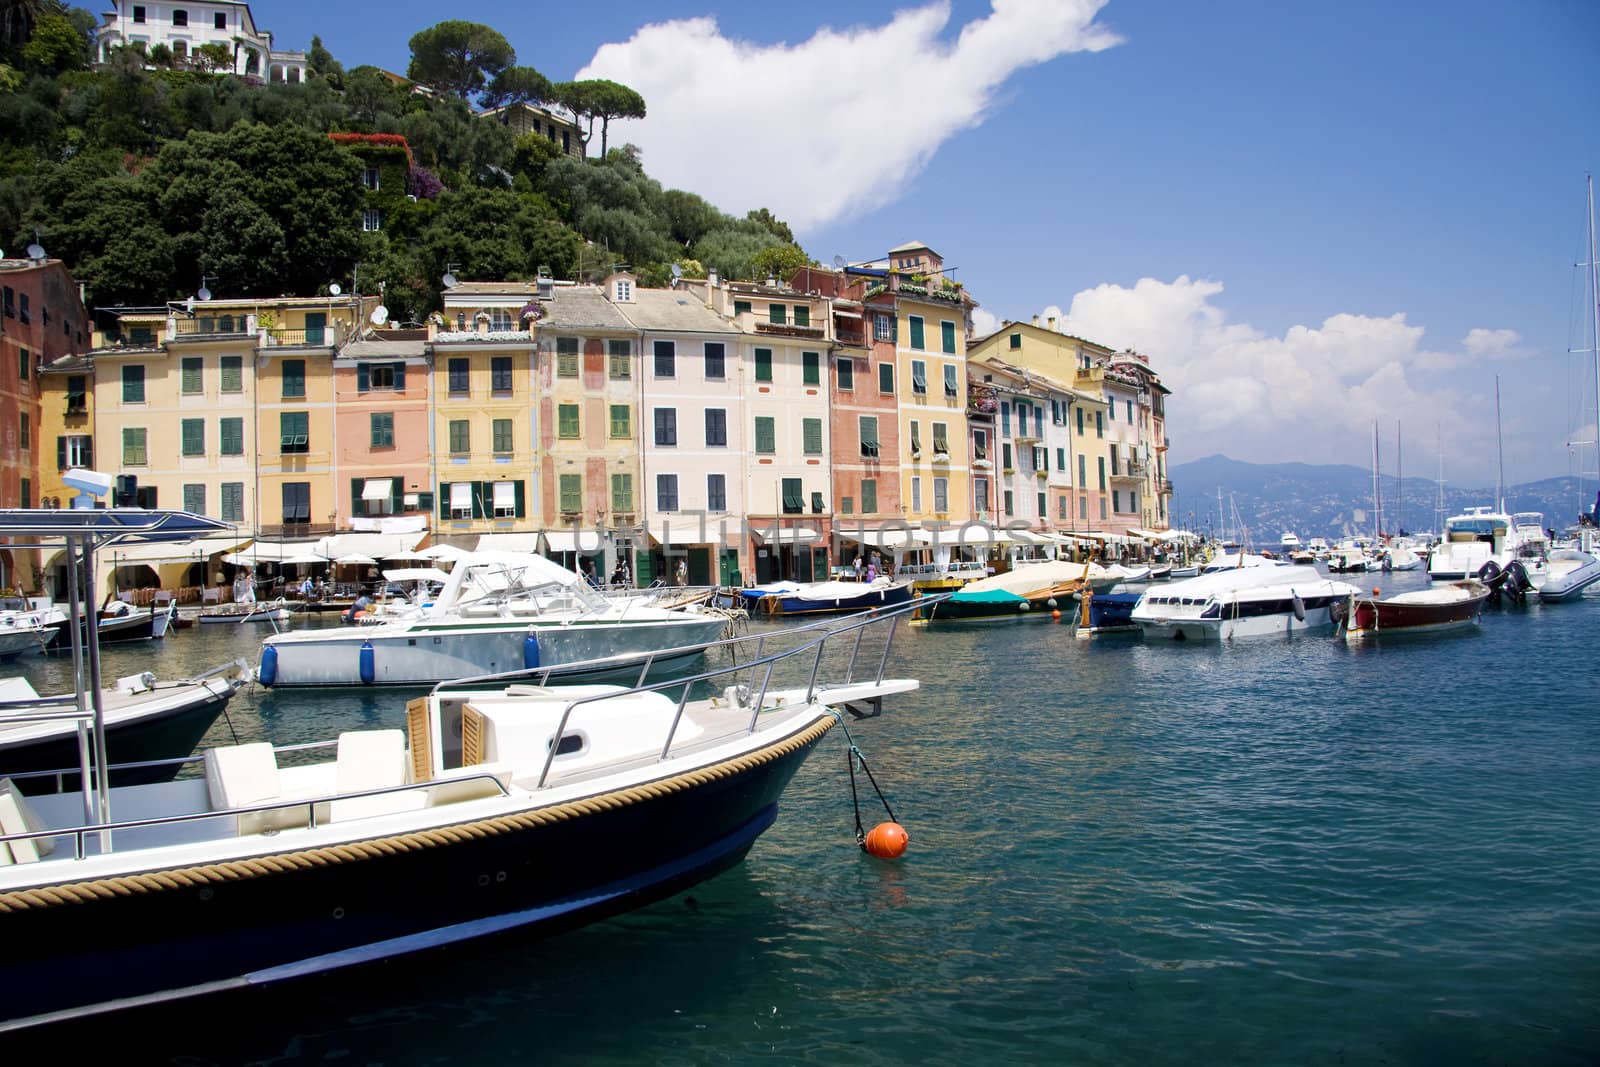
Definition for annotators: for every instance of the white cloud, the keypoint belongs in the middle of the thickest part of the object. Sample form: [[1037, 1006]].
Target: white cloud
[[1312, 393], [838, 123]]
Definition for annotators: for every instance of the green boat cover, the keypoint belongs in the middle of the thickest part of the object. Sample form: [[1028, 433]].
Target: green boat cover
[[992, 596]]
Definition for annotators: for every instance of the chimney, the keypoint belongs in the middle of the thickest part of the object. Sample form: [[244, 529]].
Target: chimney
[[711, 278], [1051, 321], [1036, 320]]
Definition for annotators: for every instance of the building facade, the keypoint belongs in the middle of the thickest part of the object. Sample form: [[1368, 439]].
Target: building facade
[[185, 27]]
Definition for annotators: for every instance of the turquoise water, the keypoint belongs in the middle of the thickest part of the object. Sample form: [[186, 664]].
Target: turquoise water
[[1273, 852]]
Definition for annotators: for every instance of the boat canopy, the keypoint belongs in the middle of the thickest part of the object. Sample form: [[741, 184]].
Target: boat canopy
[[125, 526]]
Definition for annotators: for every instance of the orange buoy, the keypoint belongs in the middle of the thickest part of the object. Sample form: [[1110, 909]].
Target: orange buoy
[[1057, 613], [887, 841], [1376, 591]]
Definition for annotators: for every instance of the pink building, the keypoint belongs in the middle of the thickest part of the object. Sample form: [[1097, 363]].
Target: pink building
[[382, 430]]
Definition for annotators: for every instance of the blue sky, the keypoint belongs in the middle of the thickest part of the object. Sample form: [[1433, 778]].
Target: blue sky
[[1309, 216]]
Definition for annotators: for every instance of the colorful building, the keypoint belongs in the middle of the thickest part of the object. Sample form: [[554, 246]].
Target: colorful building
[[383, 431]]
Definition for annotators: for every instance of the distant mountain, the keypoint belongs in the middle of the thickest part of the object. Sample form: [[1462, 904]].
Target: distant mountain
[[1335, 500]]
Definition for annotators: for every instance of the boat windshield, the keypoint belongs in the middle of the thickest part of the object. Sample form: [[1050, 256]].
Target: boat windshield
[[1471, 529]]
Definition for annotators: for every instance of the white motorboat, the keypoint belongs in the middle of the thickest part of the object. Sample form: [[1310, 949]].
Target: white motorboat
[[1481, 536], [1232, 561], [1258, 601], [504, 804], [252, 611], [1567, 573], [1400, 558], [498, 611], [27, 624]]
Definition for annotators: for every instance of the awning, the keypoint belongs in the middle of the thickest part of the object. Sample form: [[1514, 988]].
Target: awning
[[1148, 535], [888, 537], [356, 561], [377, 488], [523, 543], [376, 545], [505, 495], [269, 552], [461, 496], [416, 574], [155, 555], [586, 541], [791, 535], [974, 534], [685, 531]]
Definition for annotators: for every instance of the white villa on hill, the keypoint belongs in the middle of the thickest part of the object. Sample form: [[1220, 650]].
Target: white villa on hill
[[184, 27]]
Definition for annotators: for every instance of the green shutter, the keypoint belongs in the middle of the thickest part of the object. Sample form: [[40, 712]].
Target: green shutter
[[777, 313], [622, 492], [766, 434], [363, 378], [444, 500], [869, 496], [947, 331], [522, 498], [568, 421], [399, 377], [740, 307], [572, 492], [232, 374], [232, 437], [481, 492], [811, 364], [193, 375], [357, 505], [847, 373], [621, 421], [194, 437], [813, 436], [916, 331], [763, 364], [886, 377]]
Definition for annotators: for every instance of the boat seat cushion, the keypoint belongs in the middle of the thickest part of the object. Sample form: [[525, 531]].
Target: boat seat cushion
[[242, 776], [16, 817], [373, 759], [466, 783]]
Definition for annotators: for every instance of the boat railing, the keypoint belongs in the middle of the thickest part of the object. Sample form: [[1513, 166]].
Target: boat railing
[[80, 834]]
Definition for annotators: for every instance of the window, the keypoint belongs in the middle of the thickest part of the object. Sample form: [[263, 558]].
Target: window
[[566, 357], [1083, 507], [845, 370], [1116, 500], [621, 494], [716, 492], [1005, 456], [1061, 459], [233, 374], [1016, 340], [883, 327], [766, 435], [464, 501], [817, 505], [950, 379], [980, 495], [915, 322], [1080, 422], [232, 437], [1005, 418], [794, 498], [232, 501], [180, 17], [382, 429], [811, 368], [716, 428], [941, 495], [219, 21], [460, 383], [1061, 507], [763, 364], [919, 377], [947, 336], [383, 376], [812, 436], [460, 436], [567, 421], [194, 437], [138, 12], [11, 305], [133, 383], [77, 394], [869, 436], [370, 179], [778, 313], [666, 359], [624, 291], [1116, 468], [619, 356], [194, 499], [294, 431], [1133, 500], [916, 495], [1044, 505], [1083, 477], [1099, 424], [916, 438], [1113, 411], [886, 377], [980, 444], [869, 496], [74, 451], [1102, 508], [507, 500], [1022, 420], [572, 493], [667, 427], [27, 492], [1009, 498], [294, 378], [500, 375], [741, 307], [371, 220], [802, 315], [716, 361], [296, 502], [1102, 475], [1130, 410], [500, 436], [941, 439], [621, 422], [1041, 459], [666, 492]]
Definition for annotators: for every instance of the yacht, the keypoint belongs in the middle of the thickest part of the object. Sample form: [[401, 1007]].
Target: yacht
[[1482, 536], [498, 611], [1269, 601]]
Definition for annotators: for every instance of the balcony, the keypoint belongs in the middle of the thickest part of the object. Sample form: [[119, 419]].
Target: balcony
[[786, 329], [211, 328], [981, 400], [1125, 474], [1164, 486], [296, 530], [323, 338]]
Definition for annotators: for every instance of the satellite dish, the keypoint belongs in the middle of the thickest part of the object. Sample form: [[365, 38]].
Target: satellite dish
[[840, 262], [380, 315], [36, 251], [449, 280], [677, 271], [203, 295], [334, 290]]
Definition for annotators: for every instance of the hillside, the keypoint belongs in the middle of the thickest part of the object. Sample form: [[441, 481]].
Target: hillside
[[1335, 500]]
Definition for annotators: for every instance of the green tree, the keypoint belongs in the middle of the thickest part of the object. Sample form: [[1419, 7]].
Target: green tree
[[599, 99], [56, 45], [773, 225], [689, 217], [517, 85], [459, 57], [496, 233], [18, 18], [213, 56], [779, 261], [732, 250], [321, 63], [371, 98]]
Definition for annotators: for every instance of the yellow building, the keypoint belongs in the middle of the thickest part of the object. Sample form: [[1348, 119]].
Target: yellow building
[[66, 425], [485, 448]]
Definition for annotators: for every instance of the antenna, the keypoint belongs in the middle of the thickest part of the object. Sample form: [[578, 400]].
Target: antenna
[[677, 271], [380, 315], [36, 250], [449, 278], [203, 294], [840, 262], [334, 290]]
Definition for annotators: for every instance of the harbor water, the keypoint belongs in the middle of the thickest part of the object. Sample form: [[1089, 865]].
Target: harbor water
[[1121, 852]]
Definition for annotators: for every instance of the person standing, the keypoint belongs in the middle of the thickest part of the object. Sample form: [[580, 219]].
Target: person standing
[[859, 566]]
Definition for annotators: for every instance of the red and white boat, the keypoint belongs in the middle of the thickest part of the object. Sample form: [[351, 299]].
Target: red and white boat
[[1450, 606]]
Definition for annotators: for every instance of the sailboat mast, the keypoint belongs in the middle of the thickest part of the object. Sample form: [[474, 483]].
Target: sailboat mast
[[1500, 452], [1399, 484], [1377, 502], [1594, 307], [1438, 509]]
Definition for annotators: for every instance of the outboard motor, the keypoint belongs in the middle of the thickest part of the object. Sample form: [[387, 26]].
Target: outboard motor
[[1516, 581], [1491, 575]]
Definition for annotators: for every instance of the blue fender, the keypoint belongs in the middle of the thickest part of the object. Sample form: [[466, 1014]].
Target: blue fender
[[369, 663], [530, 652], [268, 673]]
